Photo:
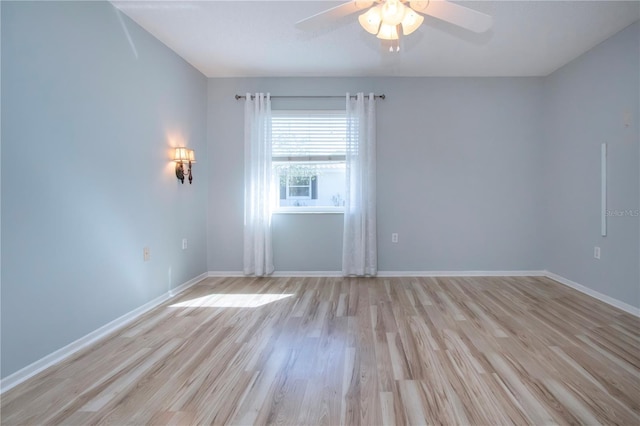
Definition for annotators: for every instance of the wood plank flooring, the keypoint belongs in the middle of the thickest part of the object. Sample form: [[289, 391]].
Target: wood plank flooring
[[302, 351]]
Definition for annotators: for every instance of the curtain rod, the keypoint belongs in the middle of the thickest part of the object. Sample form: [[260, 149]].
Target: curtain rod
[[383, 96]]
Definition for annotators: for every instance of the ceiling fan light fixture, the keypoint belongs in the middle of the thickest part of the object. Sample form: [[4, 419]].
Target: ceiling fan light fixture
[[371, 19], [411, 22], [393, 12], [388, 32]]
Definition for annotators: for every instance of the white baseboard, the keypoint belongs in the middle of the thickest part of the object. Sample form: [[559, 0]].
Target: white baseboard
[[461, 273], [391, 274], [53, 358], [278, 274], [596, 295], [307, 274], [225, 274]]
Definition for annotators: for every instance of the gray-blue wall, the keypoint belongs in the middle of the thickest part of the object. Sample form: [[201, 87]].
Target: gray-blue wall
[[459, 175], [91, 105], [585, 106]]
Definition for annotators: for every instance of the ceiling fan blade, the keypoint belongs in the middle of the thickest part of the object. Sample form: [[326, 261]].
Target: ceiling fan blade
[[329, 16], [455, 14]]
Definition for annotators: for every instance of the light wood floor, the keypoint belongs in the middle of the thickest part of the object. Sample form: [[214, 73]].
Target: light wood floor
[[331, 351]]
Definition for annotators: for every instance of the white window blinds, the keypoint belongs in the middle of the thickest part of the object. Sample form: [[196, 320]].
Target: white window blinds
[[308, 135]]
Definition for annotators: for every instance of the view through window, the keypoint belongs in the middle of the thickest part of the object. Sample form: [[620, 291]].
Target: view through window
[[308, 159]]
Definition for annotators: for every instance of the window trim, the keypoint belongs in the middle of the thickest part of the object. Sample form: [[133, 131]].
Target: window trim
[[309, 210]]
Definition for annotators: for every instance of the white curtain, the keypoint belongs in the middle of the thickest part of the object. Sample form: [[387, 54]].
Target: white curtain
[[258, 185], [359, 252]]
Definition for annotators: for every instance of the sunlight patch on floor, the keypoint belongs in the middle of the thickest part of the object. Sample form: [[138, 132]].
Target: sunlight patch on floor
[[231, 301]]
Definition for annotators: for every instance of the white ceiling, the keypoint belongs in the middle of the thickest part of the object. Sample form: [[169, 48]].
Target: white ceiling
[[258, 38]]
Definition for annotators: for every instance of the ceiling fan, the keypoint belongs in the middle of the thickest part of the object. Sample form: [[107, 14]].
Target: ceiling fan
[[391, 19]]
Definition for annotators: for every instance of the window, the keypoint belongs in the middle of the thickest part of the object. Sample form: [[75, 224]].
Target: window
[[308, 157], [299, 188]]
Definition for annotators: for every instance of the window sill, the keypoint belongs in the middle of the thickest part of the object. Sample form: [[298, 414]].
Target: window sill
[[309, 210]]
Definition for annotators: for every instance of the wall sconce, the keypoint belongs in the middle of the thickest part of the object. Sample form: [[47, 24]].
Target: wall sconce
[[182, 156]]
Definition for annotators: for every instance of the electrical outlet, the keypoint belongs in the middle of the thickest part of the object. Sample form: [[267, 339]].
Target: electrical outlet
[[394, 237], [146, 254], [596, 252], [184, 244]]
